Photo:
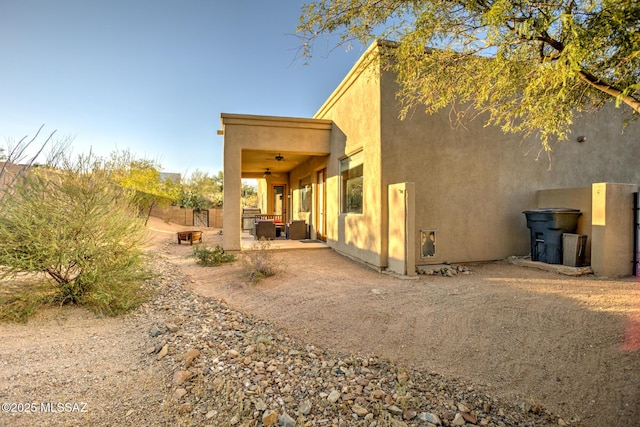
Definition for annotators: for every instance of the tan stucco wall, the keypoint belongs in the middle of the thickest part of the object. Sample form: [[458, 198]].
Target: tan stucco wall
[[401, 236], [612, 229], [262, 196], [473, 183], [354, 109], [309, 170]]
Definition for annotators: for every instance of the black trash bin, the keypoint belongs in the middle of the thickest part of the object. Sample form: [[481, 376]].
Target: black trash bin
[[547, 226]]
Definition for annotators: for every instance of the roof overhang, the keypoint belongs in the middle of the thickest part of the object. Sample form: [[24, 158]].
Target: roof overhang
[[275, 143]]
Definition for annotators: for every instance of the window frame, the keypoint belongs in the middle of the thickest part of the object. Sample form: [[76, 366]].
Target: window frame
[[351, 180], [305, 186]]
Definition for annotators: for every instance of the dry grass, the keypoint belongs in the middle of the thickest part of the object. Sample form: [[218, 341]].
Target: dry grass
[[22, 295], [260, 262]]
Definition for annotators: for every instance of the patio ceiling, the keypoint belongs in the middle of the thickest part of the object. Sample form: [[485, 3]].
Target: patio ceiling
[[256, 162]]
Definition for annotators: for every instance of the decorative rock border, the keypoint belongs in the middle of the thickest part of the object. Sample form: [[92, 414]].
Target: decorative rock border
[[224, 367], [446, 270]]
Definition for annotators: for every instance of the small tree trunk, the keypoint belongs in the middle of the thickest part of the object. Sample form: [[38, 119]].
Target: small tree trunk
[[151, 205]]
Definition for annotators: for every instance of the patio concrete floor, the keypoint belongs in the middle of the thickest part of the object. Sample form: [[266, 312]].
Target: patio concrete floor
[[248, 241]]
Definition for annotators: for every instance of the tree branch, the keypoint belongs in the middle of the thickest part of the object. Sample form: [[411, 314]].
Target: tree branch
[[595, 82], [544, 37]]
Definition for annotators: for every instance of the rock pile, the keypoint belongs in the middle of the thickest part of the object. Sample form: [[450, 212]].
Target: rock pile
[[227, 368], [442, 270]]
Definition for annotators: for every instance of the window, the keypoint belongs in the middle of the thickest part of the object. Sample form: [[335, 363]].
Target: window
[[305, 194], [351, 180]]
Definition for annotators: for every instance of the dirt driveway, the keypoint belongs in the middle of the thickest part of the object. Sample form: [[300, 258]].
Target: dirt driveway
[[525, 335]]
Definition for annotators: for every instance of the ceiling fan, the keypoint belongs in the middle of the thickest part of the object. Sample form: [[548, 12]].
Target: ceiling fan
[[278, 158], [268, 172]]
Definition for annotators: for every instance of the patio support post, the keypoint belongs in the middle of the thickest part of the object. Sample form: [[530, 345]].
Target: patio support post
[[231, 217]]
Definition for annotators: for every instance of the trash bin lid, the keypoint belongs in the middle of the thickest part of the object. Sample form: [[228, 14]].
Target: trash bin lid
[[552, 210]]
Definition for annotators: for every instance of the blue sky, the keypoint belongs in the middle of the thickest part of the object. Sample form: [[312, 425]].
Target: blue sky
[[153, 76]]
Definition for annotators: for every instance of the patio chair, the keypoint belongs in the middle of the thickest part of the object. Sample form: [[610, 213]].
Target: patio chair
[[297, 230], [265, 229]]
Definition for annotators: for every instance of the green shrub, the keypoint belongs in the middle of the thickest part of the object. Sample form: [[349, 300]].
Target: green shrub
[[113, 296], [19, 306], [73, 223], [212, 257]]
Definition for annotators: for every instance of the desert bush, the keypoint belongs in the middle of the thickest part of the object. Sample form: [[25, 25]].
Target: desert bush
[[73, 223], [212, 257], [21, 300], [260, 262], [20, 306]]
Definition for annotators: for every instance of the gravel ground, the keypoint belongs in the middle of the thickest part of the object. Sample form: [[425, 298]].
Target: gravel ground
[[184, 359]]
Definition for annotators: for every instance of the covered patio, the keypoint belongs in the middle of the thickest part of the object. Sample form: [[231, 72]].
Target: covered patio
[[276, 151]]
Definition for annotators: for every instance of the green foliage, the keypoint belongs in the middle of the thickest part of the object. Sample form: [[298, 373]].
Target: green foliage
[[76, 225], [201, 191], [260, 262], [113, 294], [141, 178], [212, 257], [249, 195], [528, 65], [20, 301], [19, 307], [187, 199], [218, 200]]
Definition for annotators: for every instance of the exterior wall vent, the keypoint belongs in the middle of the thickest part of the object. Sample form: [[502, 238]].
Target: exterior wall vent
[[427, 243]]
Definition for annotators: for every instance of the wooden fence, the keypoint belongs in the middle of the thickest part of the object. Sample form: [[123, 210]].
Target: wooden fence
[[184, 216]]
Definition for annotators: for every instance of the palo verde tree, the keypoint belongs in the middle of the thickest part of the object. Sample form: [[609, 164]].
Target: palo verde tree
[[530, 65], [141, 177], [71, 221]]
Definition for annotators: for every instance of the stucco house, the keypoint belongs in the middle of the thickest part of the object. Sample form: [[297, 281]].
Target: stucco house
[[399, 193]]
